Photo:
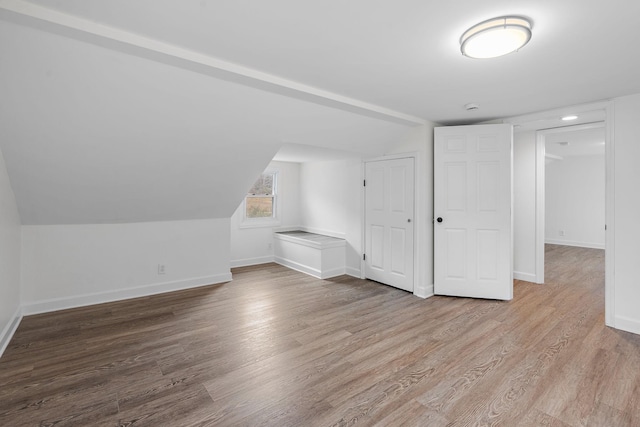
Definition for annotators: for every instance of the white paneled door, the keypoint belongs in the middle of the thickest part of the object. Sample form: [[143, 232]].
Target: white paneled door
[[389, 214], [472, 211]]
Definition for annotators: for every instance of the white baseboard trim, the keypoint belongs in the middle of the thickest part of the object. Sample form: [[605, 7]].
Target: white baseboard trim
[[9, 330], [627, 324], [424, 291], [37, 307], [251, 261], [309, 270], [576, 244], [332, 273], [354, 272], [527, 277]]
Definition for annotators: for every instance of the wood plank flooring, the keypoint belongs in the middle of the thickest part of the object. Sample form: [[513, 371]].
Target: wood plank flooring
[[278, 348]]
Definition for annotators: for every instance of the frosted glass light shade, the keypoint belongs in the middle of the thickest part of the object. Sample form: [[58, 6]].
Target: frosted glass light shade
[[495, 37]]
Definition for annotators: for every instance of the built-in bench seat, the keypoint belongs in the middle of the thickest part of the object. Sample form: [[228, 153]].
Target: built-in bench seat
[[314, 254]]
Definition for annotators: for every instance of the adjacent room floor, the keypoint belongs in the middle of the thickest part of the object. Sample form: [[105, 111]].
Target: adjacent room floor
[[276, 347]]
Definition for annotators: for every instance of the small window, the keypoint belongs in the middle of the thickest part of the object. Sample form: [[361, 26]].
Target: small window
[[260, 202]]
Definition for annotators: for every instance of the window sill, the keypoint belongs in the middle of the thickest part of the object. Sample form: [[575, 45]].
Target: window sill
[[260, 223]]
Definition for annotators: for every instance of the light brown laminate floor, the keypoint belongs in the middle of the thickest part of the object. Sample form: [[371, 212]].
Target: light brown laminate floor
[[278, 348]]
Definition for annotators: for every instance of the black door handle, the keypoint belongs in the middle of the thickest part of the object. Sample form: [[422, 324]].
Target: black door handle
[[439, 219]]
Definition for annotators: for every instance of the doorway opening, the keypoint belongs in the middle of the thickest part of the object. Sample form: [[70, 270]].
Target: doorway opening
[[574, 192], [569, 160], [548, 123]]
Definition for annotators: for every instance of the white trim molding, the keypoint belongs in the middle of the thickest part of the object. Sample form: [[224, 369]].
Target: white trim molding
[[424, 291], [608, 107], [576, 244], [540, 207], [10, 330], [246, 262], [46, 306], [609, 234], [627, 324], [353, 272], [525, 277]]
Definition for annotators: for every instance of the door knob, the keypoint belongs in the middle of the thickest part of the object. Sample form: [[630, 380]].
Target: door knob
[[439, 219], [409, 220]]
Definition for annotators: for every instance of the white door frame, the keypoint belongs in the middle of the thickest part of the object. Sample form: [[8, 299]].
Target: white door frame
[[608, 108], [541, 141], [418, 224]]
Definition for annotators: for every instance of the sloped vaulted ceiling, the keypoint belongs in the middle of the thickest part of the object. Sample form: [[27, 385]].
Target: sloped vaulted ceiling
[[119, 110], [95, 135]]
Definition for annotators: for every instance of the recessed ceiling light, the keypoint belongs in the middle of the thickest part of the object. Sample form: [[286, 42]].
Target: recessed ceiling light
[[568, 118], [495, 37]]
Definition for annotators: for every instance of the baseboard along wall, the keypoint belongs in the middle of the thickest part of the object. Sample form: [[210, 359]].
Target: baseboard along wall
[[9, 330], [627, 324], [526, 277], [37, 307], [246, 262], [574, 243]]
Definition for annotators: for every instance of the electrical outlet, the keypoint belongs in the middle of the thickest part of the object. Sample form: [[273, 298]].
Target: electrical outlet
[[561, 233], [161, 269]]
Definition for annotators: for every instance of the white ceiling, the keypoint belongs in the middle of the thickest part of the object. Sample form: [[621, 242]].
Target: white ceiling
[[576, 141], [299, 153], [553, 119], [119, 111], [402, 55], [92, 135]]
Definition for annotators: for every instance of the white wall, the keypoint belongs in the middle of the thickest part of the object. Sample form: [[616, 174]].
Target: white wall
[[324, 195], [627, 213], [72, 265], [574, 192], [254, 245], [9, 259], [331, 204], [524, 206]]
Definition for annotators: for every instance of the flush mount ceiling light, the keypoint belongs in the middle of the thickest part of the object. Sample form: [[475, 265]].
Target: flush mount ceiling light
[[496, 37], [569, 118]]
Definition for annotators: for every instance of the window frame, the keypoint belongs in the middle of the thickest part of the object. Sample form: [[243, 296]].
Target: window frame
[[274, 219]]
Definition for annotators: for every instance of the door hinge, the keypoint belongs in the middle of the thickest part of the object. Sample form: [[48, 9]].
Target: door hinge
[[364, 257], [364, 183]]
